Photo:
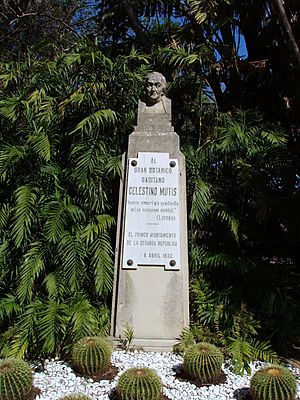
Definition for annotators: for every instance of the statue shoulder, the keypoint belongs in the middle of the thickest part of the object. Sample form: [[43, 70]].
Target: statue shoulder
[[167, 104], [141, 106]]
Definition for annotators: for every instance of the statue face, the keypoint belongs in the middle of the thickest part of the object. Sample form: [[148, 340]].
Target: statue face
[[154, 87]]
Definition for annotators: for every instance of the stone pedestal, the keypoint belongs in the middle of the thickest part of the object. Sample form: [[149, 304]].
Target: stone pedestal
[[151, 269]]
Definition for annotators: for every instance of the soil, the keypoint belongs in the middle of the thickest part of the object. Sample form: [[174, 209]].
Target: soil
[[108, 375], [183, 376], [34, 392]]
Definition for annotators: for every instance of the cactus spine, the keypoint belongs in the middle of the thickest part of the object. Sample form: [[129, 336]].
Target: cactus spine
[[203, 362], [273, 382], [139, 383], [91, 355], [16, 379]]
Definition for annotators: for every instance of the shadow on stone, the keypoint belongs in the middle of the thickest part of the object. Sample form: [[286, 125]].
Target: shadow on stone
[[182, 375], [242, 394], [114, 396]]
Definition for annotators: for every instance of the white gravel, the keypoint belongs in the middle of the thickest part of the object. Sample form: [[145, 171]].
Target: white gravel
[[56, 379]]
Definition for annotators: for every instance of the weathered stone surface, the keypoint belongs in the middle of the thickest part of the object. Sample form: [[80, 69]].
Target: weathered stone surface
[[150, 284]]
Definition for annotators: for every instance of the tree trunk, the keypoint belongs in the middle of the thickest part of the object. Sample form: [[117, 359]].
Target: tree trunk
[[136, 26], [279, 11]]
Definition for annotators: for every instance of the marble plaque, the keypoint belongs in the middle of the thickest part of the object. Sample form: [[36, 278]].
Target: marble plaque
[[152, 234]]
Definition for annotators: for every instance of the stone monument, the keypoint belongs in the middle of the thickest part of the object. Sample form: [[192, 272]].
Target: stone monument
[[151, 268]]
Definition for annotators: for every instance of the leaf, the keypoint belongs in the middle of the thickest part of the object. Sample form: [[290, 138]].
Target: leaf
[[4, 215], [114, 166], [9, 306], [59, 213], [31, 268], [102, 263], [41, 144], [199, 9], [241, 353], [52, 326], [88, 156], [9, 156], [96, 228], [26, 330], [225, 215], [97, 120], [202, 199], [9, 108], [72, 255], [24, 213], [83, 318]]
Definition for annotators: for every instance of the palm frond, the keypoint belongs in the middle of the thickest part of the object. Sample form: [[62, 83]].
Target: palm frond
[[24, 213], [83, 319], [180, 57], [96, 228], [200, 8], [88, 155], [31, 268], [26, 330], [244, 351], [40, 143], [52, 326], [9, 108], [241, 353], [202, 199], [55, 285], [9, 306], [114, 166], [274, 137], [9, 154], [59, 214], [72, 254], [262, 351], [102, 263], [103, 318], [226, 216], [4, 215], [97, 120]]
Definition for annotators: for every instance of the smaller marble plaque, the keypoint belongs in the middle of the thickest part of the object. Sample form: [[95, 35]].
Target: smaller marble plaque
[[152, 234]]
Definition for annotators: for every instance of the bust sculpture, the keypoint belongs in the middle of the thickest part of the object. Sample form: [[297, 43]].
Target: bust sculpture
[[154, 101]]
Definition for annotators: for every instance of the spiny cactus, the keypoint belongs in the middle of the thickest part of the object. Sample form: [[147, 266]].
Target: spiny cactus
[[273, 382], [16, 379], [75, 396], [91, 355], [140, 383], [203, 362]]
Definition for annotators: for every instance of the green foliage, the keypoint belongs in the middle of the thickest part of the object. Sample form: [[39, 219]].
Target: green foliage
[[140, 383], [191, 335], [64, 122], [50, 327], [224, 324], [65, 117], [75, 396], [273, 382], [91, 355], [128, 337], [236, 185], [203, 362], [16, 379]]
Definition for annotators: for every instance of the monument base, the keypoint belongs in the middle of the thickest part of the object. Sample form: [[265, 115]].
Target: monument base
[[151, 286], [155, 345]]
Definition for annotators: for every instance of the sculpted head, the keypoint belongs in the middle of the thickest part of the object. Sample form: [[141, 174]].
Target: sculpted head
[[155, 85]]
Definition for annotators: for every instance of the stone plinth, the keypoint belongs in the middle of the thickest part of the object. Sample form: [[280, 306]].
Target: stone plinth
[[151, 268]]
